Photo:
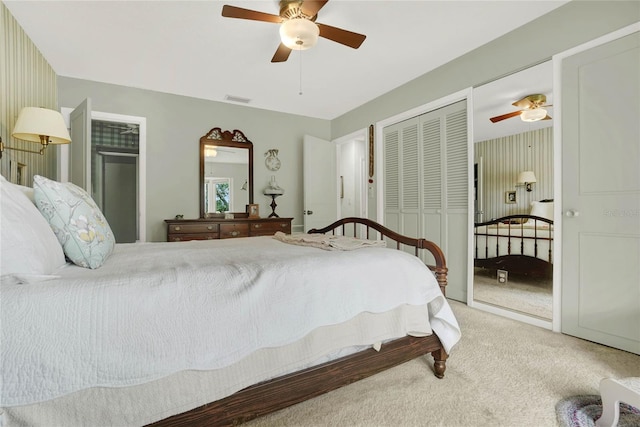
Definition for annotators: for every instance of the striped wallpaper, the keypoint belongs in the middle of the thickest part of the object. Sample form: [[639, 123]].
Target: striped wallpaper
[[503, 159], [26, 80]]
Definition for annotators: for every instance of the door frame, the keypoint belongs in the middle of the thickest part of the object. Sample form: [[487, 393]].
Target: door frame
[[359, 135], [557, 157], [64, 158]]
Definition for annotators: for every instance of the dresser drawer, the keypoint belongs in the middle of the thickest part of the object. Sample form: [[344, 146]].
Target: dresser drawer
[[270, 228], [193, 228], [234, 230], [183, 237]]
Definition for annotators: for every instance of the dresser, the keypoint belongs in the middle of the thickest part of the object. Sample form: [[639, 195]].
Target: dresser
[[218, 228]]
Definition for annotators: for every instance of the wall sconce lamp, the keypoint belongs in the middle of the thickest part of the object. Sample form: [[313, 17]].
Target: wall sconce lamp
[[527, 178], [38, 125]]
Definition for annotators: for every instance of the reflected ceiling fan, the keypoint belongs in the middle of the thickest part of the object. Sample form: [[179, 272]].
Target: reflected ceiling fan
[[127, 128], [531, 109], [299, 29]]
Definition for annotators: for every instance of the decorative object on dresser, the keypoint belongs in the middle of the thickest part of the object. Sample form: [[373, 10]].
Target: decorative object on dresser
[[273, 190], [211, 228], [253, 210]]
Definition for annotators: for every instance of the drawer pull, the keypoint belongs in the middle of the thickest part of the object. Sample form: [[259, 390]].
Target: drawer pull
[[210, 227], [283, 225], [176, 239], [234, 233], [177, 228], [257, 225]]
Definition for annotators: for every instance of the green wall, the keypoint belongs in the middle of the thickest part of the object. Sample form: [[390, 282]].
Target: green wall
[[174, 127]]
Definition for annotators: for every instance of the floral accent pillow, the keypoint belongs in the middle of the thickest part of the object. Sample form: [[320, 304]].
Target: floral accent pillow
[[76, 220]]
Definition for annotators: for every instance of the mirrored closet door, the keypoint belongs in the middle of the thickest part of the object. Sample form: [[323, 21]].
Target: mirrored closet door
[[513, 194]]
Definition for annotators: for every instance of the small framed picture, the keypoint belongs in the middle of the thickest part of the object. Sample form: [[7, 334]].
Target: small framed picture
[[253, 211], [17, 173], [510, 197]]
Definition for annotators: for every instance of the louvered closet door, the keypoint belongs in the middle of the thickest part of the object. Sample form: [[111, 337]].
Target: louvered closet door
[[426, 184], [401, 183]]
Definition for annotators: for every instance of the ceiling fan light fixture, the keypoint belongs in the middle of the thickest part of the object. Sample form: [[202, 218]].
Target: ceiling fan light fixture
[[299, 33], [533, 115]]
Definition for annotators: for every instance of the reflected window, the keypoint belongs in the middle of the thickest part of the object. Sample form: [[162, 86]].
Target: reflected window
[[217, 193]]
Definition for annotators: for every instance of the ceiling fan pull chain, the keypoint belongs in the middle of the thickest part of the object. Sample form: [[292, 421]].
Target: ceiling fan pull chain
[[300, 92]]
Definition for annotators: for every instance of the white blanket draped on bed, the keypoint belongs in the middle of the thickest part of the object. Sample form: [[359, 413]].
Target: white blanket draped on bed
[[159, 308]]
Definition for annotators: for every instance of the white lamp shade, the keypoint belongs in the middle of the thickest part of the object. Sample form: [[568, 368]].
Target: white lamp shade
[[526, 177], [533, 115], [299, 33], [34, 121]]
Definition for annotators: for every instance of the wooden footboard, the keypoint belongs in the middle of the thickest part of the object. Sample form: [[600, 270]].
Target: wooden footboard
[[350, 227], [279, 393]]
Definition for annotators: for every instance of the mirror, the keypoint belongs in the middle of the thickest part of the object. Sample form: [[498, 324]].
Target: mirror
[[226, 172], [502, 151]]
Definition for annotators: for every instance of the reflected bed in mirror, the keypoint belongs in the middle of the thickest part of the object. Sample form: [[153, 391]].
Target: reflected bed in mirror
[[226, 173]]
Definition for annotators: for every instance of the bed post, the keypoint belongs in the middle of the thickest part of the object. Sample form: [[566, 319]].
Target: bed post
[[439, 362]]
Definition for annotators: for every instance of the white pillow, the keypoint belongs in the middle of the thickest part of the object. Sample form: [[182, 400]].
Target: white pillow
[[28, 191], [542, 209], [27, 244], [76, 220]]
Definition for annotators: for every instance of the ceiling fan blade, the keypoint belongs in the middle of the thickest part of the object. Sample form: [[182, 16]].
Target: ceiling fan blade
[[347, 38], [311, 7], [505, 116], [523, 104], [238, 12], [282, 54]]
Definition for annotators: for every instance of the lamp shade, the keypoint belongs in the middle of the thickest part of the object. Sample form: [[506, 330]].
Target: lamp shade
[[34, 121], [299, 33], [526, 177], [533, 115]]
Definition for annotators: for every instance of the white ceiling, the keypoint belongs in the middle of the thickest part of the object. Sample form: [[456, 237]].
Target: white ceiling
[[188, 48]]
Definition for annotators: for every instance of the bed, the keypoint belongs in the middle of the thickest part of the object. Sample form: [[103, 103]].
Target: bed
[[519, 244], [201, 332]]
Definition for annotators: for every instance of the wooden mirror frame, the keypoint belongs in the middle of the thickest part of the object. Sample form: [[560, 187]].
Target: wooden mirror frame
[[224, 139]]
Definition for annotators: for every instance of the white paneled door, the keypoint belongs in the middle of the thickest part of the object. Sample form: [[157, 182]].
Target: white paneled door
[[601, 194], [320, 183], [80, 164]]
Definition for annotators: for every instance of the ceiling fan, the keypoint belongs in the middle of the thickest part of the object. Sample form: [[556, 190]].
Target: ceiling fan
[[127, 128], [531, 109], [299, 29]]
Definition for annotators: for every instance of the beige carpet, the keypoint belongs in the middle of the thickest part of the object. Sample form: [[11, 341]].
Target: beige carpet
[[526, 295], [502, 373]]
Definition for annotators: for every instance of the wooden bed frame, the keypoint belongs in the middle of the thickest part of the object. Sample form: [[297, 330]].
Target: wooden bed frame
[[272, 395], [516, 262]]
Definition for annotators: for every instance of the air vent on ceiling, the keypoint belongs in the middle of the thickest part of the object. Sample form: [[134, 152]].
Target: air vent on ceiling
[[240, 99]]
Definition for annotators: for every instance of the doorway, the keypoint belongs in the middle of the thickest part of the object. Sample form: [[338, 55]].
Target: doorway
[[108, 159], [115, 186]]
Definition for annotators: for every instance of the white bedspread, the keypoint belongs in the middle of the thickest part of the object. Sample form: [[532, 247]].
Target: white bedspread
[[159, 308]]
